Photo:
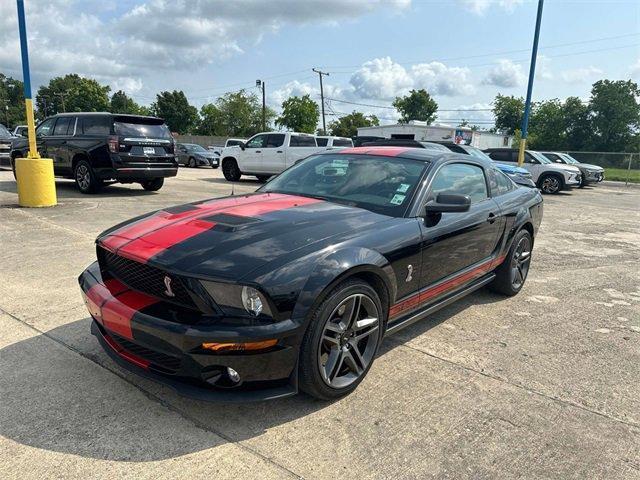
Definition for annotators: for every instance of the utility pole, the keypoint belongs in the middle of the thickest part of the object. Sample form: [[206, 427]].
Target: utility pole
[[61, 95], [532, 72], [320, 74], [260, 84]]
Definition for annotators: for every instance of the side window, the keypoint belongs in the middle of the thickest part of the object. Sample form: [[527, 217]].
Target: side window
[[62, 126], [322, 142], [528, 158], [46, 127], [500, 155], [275, 140], [502, 182], [259, 141], [95, 125], [461, 178], [338, 142], [302, 141]]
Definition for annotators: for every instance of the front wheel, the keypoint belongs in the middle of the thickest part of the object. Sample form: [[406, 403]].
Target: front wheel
[[231, 171], [85, 178], [192, 162], [511, 275], [341, 341], [550, 184], [153, 185]]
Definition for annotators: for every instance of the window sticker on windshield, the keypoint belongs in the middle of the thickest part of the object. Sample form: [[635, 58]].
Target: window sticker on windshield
[[403, 188], [398, 199]]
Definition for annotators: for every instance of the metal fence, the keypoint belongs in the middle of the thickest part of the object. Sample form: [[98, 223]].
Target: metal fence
[[203, 140]]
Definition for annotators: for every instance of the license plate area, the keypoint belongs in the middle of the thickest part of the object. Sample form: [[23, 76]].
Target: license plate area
[[149, 150]]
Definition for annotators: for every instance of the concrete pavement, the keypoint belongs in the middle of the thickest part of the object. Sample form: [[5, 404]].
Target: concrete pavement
[[542, 385]]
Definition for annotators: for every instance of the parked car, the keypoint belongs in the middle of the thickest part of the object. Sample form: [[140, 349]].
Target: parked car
[[330, 142], [296, 285], [21, 131], [6, 139], [517, 174], [548, 177], [358, 141], [267, 154], [589, 173], [93, 147], [401, 142], [194, 155]]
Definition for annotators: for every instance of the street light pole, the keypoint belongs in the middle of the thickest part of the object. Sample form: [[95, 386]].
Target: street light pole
[[532, 72], [320, 74], [260, 83]]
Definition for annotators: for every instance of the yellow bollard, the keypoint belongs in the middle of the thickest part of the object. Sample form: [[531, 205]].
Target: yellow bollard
[[36, 185]]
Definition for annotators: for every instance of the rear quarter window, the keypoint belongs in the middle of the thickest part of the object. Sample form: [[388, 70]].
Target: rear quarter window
[[302, 141], [341, 142], [98, 125]]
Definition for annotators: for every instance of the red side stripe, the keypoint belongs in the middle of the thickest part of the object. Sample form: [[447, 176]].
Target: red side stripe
[[432, 292], [117, 313], [140, 362]]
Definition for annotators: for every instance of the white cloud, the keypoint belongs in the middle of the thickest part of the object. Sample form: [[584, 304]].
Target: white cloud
[[294, 88], [505, 74], [439, 79], [381, 78], [543, 68], [580, 75], [479, 7], [635, 69]]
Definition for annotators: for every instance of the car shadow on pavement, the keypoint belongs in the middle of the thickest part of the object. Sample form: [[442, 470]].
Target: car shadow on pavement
[[66, 189], [243, 181], [60, 392]]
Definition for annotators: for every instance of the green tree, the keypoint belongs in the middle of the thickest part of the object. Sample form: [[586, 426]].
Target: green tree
[[122, 103], [418, 105], [348, 125], [299, 114], [577, 124], [547, 126], [12, 111], [72, 93], [615, 114], [508, 112], [237, 114], [176, 111]]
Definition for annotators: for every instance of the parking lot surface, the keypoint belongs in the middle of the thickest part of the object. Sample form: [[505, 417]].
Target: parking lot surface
[[541, 385]]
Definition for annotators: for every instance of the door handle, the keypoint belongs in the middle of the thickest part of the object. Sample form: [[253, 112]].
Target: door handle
[[258, 151], [278, 151], [491, 218]]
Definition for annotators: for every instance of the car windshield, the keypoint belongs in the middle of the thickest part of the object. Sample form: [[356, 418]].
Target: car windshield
[[435, 147], [142, 129], [541, 158], [569, 159], [192, 147], [383, 185], [4, 132]]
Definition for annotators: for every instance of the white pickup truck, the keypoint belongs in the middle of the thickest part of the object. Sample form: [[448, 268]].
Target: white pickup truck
[[267, 154]]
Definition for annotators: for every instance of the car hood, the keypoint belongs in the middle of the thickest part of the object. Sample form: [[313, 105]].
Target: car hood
[[511, 169], [228, 238], [566, 168], [592, 167]]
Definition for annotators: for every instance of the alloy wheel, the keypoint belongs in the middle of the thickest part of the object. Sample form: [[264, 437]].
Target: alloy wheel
[[349, 341], [83, 177], [520, 262], [550, 185]]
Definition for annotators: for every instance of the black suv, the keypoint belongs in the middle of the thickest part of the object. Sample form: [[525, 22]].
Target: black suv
[[94, 147]]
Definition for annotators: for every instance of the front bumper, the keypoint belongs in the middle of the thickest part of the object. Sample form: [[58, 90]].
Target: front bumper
[[572, 180], [594, 177], [163, 342]]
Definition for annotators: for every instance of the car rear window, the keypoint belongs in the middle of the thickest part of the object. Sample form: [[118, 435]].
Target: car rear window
[[141, 128], [322, 142], [341, 142]]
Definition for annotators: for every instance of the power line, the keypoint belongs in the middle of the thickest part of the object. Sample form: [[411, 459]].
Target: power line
[[393, 108]]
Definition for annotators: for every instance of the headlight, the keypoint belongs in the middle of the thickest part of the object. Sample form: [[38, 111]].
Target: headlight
[[251, 301], [238, 300]]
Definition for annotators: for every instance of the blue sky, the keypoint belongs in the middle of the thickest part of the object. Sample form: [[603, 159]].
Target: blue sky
[[463, 51]]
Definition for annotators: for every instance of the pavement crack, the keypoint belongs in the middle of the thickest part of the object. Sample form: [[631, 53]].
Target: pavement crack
[[151, 396], [517, 385]]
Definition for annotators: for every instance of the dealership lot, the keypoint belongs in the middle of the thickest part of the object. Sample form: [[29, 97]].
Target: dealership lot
[[540, 385]]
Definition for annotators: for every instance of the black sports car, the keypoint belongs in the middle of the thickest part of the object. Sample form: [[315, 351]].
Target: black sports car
[[294, 286]]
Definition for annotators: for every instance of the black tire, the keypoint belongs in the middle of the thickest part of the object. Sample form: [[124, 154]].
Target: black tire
[[583, 183], [153, 185], [512, 274], [263, 178], [350, 367], [550, 183], [85, 178], [192, 162], [230, 170]]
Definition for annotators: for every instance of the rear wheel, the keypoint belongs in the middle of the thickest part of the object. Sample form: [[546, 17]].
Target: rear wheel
[[341, 341], [85, 178], [153, 185], [230, 170], [192, 162], [550, 183], [511, 275]]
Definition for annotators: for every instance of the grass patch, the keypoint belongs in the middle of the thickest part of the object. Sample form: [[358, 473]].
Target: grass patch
[[620, 174]]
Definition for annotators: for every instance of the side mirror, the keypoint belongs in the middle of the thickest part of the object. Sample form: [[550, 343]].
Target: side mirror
[[448, 202], [242, 145]]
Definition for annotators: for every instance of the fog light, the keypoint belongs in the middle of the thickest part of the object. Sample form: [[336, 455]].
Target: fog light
[[233, 375]]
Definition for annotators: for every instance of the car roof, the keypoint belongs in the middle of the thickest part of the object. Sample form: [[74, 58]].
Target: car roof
[[125, 115], [412, 153]]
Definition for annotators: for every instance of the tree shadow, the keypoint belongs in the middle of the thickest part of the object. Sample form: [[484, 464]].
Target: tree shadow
[[57, 401]]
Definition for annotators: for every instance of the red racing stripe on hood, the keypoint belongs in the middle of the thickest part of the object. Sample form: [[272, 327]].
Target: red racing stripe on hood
[[380, 151], [118, 312], [148, 245]]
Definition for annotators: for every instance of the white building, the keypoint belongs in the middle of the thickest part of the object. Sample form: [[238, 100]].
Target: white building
[[415, 130]]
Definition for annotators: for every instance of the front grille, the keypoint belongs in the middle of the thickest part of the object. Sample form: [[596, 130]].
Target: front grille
[[145, 279], [167, 363]]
